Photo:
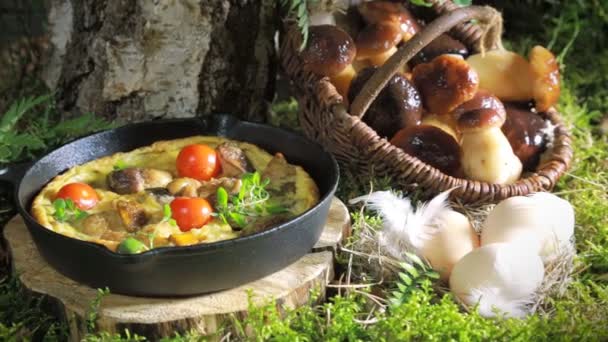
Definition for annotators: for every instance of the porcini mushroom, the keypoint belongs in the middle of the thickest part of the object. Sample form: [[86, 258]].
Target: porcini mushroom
[[525, 131], [330, 52], [486, 153], [397, 106], [445, 83], [431, 145], [545, 73], [504, 73], [378, 42], [374, 12]]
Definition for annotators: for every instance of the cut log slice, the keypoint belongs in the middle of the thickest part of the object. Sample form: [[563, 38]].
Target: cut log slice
[[159, 317]]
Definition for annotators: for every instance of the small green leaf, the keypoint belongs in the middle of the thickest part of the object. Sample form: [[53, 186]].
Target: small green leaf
[[423, 3], [432, 275], [131, 245], [276, 209], [166, 211], [60, 206], [406, 279], [172, 222], [120, 165], [413, 272], [302, 9], [415, 259], [222, 197], [70, 204], [239, 219], [59, 203], [80, 214], [401, 287], [463, 3]]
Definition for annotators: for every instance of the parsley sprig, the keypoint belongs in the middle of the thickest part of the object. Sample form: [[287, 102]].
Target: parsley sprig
[[66, 210], [167, 215], [250, 202]]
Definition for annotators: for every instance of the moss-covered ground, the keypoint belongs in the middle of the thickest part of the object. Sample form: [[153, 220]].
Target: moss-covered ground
[[577, 31]]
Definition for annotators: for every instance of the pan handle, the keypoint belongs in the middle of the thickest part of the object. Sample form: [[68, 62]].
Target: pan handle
[[12, 173]]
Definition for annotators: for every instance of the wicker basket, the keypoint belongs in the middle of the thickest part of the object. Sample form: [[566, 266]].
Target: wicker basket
[[326, 120]]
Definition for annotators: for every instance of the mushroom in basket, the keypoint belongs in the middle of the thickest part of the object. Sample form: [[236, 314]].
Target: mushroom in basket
[[486, 153], [378, 42], [527, 134], [511, 77], [397, 106], [330, 52], [374, 12]]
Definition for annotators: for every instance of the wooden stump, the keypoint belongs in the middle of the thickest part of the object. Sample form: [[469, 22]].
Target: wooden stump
[[158, 317]]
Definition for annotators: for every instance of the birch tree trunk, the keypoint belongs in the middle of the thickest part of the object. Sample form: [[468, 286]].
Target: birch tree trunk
[[143, 59]]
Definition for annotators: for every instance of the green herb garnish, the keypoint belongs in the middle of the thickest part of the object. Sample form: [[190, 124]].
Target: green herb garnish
[[66, 210], [120, 165], [250, 202], [167, 215]]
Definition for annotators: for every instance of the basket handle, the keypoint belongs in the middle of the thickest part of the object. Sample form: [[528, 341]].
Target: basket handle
[[487, 16]]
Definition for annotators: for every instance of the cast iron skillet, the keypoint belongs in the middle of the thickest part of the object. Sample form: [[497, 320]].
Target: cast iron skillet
[[178, 271]]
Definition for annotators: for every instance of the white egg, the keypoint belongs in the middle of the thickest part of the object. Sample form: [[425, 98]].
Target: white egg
[[542, 223], [454, 238], [558, 216], [510, 272], [524, 236], [517, 220]]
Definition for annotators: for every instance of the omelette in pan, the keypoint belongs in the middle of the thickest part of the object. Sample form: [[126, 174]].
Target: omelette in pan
[[175, 193]]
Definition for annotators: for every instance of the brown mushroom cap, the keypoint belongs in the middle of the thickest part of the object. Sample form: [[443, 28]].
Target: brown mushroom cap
[[431, 145], [374, 12], [376, 39], [480, 119], [397, 106], [483, 99], [442, 45], [525, 132], [445, 83], [329, 50]]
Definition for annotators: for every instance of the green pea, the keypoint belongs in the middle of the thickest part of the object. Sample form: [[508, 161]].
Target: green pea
[[131, 245]]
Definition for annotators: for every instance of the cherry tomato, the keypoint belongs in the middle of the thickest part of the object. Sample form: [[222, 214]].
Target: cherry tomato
[[83, 195], [198, 161], [190, 212]]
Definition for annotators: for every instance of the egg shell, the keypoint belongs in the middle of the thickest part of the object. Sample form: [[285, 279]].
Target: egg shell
[[513, 272], [454, 239]]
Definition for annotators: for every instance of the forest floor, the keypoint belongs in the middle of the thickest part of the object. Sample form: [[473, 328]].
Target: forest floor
[[576, 30]]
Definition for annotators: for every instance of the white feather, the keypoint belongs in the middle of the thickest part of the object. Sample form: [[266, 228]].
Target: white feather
[[404, 228], [490, 303]]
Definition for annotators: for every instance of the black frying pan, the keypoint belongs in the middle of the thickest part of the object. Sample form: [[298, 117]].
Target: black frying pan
[[178, 271]]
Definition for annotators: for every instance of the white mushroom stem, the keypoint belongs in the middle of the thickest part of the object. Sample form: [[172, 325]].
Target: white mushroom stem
[[322, 18], [487, 156]]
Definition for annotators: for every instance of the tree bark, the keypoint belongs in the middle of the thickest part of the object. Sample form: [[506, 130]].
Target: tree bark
[[142, 59]]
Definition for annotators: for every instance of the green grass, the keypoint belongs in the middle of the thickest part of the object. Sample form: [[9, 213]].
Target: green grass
[[574, 29]]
